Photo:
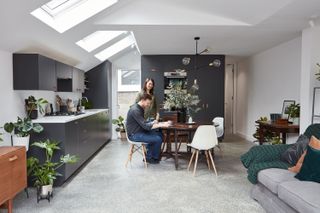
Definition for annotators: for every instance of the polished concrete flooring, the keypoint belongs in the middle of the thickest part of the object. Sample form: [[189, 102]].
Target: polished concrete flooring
[[105, 185]]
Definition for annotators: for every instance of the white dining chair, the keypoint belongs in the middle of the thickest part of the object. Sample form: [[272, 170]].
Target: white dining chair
[[136, 146], [219, 124], [204, 139]]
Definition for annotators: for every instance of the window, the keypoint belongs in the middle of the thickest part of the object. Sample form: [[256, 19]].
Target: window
[[62, 15], [116, 48], [97, 39], [129, 80]]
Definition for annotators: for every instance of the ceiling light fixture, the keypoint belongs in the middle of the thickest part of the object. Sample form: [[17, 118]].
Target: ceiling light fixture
[[62, 15], [97, 39]]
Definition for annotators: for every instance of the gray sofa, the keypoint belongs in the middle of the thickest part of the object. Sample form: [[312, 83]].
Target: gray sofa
[[278, 191]]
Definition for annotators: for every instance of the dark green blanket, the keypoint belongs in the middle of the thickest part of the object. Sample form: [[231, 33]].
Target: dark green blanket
[[263, 157]]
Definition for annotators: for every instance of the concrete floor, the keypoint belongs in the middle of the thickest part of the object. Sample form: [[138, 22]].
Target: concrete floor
[[105, 185]]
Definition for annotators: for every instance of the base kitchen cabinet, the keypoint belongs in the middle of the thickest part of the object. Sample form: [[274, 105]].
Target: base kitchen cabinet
[[82, 137]]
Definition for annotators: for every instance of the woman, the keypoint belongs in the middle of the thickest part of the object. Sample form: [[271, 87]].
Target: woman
[[152, 112]]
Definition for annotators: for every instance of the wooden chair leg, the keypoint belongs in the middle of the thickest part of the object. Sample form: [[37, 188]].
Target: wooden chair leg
[[191, 159], [195, 164], [214, 167], [129, 155], [144, 155], [207, 157]]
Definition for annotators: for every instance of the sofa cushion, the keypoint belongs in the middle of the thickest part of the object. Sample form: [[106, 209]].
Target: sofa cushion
[[271, 178], [314, 143], [294, 152], [310, 170], [303, 196]]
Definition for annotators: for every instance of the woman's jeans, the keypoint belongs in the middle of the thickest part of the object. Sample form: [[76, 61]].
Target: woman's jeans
[[154, 141]]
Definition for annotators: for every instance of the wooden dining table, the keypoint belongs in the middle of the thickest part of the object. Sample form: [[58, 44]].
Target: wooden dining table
[[178, 128]]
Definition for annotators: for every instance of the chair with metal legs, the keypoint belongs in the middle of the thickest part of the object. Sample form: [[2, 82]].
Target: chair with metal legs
[[205, 139], [136, 146]]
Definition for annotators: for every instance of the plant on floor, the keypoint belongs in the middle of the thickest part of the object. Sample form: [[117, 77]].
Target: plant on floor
[[120, 124], [276, 140], [20, 131], [32, 106], [44, 173]]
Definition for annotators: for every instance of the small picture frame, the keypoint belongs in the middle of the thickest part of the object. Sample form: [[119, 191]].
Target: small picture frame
[[286, 104]]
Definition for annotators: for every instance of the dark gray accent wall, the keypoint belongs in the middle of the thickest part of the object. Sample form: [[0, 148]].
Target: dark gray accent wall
[[210, 79]]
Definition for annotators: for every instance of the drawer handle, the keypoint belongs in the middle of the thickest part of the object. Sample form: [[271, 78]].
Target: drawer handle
[[13, 158]]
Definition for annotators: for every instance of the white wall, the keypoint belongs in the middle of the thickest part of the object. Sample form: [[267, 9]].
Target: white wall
[[264, 80], [310, 56], [12, 101]]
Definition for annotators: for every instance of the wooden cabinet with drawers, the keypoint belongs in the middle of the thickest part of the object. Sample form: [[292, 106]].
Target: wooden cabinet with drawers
[[13, 174]]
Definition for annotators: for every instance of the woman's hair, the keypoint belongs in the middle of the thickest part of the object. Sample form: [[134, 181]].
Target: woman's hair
[[145, 85]]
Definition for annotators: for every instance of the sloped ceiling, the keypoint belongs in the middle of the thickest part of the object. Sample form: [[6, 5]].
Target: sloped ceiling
[[231, 27]]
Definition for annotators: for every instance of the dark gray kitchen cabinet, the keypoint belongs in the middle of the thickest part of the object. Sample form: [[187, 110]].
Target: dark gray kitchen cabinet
[[34, 72], [64, 71], [78, 80], [82, 137]]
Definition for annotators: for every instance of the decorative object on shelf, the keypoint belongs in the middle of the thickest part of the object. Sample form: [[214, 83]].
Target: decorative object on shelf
[[44, 173], [181, 100], [274, 117], [20, 131], [285, 106], [33, 105], [318, 73], [294, 113], [120, 127]]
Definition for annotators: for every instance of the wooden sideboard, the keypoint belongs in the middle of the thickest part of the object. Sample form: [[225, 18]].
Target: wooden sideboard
[[13, 174]]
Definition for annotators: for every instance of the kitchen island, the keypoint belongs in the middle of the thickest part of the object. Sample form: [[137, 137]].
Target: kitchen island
[[81, 135]]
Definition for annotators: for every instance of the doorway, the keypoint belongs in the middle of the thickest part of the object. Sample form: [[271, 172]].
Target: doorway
[[229, 98]]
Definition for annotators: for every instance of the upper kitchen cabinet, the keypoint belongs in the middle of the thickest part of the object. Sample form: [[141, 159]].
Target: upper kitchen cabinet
[[34, 72], [78, 80], [64, 71]]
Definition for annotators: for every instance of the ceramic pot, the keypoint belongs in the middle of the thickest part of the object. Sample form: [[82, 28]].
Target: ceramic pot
[[21, 141], [45, 190]]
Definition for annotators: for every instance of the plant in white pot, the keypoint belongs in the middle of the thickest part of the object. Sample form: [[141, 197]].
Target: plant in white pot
[[294, 113], [120, 127], [20, 131], [45, 173]]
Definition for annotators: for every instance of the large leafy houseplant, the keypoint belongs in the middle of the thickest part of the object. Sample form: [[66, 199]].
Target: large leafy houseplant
[[294, 113], [20, 131], [44, 173]]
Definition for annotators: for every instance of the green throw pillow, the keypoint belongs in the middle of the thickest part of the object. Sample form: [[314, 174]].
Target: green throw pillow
[[310, 170]]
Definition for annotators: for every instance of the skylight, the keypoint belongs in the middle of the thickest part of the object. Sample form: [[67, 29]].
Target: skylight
[[62, 15], [97, 39], [116, 48]]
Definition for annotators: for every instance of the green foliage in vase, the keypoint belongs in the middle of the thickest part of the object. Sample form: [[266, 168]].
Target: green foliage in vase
[[294, 110], [179, 98], [33, 104]]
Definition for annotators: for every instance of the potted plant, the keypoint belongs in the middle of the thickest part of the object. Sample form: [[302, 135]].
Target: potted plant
[[120, 127], [44, 173], [294, 113], [20, 131], [32, 106]]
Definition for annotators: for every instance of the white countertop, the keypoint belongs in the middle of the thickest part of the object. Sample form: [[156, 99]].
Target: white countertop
[[66, 119]]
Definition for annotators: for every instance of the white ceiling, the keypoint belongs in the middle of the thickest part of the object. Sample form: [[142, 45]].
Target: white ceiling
[[231, 27]]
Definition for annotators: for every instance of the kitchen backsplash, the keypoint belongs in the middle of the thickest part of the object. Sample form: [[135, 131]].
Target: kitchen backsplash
[[50, 96]]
